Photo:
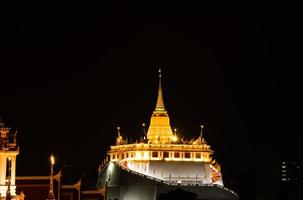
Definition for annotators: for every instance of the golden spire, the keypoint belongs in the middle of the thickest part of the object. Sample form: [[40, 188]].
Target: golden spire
[[118, 131], [119, 139], [159, 130], [201, 133], [160, 104]]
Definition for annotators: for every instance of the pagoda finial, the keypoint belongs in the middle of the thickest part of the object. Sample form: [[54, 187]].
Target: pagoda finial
[[160, 103], [143, 130], [118, 131], [119, 139], [201, 133]]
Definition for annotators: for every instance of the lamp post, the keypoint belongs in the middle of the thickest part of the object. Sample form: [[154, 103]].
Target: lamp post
[[51, 186]]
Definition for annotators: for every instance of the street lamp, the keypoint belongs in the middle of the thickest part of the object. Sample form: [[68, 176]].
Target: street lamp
[[51, 186]]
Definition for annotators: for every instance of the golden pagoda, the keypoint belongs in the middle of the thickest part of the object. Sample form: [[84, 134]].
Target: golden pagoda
[[159, 129], [162, 155]]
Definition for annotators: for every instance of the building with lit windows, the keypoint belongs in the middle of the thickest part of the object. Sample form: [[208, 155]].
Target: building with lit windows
[[291, 178], [160, 162]]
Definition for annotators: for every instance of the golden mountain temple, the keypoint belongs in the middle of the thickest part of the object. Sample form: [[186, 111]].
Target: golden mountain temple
[[162, 157]]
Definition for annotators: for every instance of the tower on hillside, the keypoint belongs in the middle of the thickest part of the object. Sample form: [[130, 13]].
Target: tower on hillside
[[161, 163], [8, 153]]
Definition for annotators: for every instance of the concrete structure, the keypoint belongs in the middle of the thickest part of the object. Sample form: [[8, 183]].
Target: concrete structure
[[126, 184]]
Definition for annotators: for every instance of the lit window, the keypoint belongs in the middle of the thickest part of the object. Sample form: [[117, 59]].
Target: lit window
[[284, 171], [165, 154], [187, 155], [283, 179], [155, 154], [283, 166], [198, 155]]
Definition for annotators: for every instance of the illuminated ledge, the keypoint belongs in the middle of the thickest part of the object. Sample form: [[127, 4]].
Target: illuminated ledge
[[12, 152], [144, 146], [164, 159], [160, 155]]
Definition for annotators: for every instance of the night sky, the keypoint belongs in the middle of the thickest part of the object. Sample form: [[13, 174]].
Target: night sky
[[71, 72]]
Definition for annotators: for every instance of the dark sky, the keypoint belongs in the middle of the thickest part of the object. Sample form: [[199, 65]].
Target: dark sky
[[71, 72]]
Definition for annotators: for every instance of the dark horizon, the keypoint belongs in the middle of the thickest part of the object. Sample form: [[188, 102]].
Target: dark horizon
[[71, 73]]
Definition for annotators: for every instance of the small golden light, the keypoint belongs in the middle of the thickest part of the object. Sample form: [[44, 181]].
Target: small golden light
[[9, 158], [52, 158], [175, 138]]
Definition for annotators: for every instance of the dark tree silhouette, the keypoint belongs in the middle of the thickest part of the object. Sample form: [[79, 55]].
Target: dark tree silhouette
[[178, 194]]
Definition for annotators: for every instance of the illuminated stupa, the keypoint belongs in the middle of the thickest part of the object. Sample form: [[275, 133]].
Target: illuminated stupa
[[163, 161]]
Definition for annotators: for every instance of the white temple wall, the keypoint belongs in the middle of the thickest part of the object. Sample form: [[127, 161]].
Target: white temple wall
[[173, 171]]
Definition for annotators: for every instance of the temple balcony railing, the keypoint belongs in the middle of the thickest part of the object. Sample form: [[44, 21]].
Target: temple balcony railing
[[8, 145]]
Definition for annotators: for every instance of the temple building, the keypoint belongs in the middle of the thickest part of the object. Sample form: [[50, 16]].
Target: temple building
[[49, 187], [160, 162], [8, 153]]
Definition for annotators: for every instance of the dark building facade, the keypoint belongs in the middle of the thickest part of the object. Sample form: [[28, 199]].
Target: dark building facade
[[291, 178]]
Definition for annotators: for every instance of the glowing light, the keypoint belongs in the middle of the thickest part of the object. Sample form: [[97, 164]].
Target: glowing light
[[138, 155], [9, 158], [52, 159], [111, 166], [175, 138]]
